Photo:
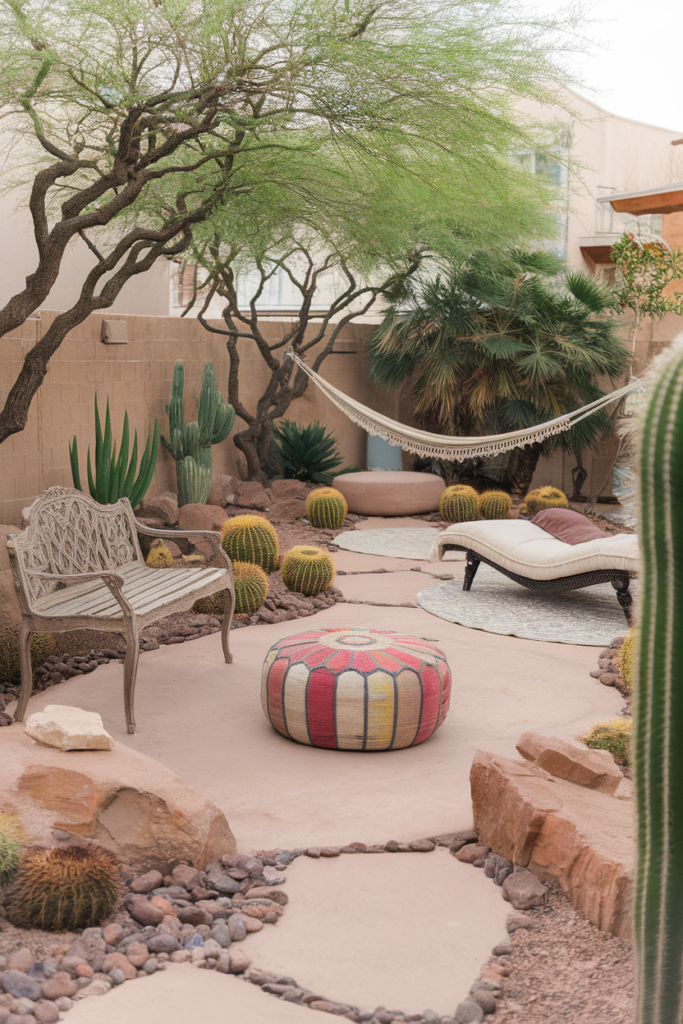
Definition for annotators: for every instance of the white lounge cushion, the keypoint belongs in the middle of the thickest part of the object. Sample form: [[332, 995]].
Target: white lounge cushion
[[526, 549]]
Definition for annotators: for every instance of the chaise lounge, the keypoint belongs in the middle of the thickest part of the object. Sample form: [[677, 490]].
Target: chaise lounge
[[538, 559]]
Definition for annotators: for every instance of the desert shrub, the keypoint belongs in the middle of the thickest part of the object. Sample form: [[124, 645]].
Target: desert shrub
[[613, 735]]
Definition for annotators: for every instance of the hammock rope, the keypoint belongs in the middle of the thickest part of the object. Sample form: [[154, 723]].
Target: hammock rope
[[441, 446]]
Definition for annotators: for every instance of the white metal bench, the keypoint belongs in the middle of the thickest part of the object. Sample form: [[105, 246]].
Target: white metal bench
[[78, 565]]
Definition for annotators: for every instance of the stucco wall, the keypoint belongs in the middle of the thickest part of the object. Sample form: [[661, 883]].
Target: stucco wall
[[137, 378]]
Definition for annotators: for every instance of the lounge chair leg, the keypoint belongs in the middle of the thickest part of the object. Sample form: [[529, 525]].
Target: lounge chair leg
[[470, 569], [228, 610], [130, 671], [26, 673], [625, 598]]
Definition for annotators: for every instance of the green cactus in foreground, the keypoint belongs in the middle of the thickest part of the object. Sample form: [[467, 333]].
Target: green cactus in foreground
[[10, 849], [494, 505], [326, 508], [459, 504], [65, 889], [657, 751], [307, 570], [251, 538], [190, 443]]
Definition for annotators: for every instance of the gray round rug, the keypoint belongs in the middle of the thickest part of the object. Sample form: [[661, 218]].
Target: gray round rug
[[496, 604], [399, 543]]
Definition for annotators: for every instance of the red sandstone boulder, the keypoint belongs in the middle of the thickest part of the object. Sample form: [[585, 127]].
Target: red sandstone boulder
[[287, 510], [252, 495], [162, 506], [288, 489], [594, 769], [201, 517]]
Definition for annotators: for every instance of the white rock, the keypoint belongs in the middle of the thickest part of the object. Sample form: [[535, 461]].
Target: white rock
[[68, 728]]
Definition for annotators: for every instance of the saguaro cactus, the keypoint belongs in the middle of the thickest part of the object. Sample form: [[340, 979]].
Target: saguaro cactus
[[190, 444], [656, 745]]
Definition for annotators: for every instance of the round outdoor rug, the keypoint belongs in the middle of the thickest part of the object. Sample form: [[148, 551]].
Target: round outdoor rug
[[400, 543], [496, 604]]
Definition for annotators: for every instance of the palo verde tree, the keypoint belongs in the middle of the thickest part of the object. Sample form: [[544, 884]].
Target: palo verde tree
[[646, 271], [131, 121], [508, 340]]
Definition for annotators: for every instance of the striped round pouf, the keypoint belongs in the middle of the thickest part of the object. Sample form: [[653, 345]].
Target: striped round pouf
[[355, 689]]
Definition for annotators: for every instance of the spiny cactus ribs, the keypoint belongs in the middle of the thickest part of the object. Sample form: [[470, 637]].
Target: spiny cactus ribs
[[190, 443], [494, 505], [65, 889], [251, 587], [251, 538], [307, 570], [656, 747], [326, 508], [459, 504]]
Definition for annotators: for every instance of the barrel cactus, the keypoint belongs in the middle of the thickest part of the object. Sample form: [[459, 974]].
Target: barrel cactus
[[65, 889], [326, 508], [159, 556], [190, 443], [251, 587], [657, 753], [10, 849], [459, 504], [494, 505], [251, 538], [626, 656], [543, 497], [307, 570]]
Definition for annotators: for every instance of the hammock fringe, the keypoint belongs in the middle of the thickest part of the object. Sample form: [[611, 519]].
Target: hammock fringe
[[439, 446]]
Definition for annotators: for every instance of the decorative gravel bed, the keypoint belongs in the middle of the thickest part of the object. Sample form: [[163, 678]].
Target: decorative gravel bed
[[552, 966]]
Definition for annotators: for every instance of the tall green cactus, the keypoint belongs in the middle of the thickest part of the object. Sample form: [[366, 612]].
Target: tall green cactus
[[658, 720], [190, 444]]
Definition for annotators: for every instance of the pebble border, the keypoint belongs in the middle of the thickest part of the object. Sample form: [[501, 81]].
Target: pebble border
[[196, 917]]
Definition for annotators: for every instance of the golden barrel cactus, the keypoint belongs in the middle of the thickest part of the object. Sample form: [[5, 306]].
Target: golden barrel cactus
[[326, 508], [494, 505], [543, 497], [307, 570], [251, 538], [159, 556], [459, 504]]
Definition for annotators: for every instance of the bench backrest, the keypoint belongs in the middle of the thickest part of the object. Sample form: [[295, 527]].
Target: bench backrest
[[69, 533]]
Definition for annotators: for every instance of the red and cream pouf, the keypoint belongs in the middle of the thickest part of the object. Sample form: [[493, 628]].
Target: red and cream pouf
[[355, 689]]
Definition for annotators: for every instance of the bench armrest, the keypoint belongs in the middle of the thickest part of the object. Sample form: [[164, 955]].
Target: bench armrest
[[212, 536], [108, 575]]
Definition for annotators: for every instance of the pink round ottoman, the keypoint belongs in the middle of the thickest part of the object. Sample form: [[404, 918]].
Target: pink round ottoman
[[355, 689], [387, 493]]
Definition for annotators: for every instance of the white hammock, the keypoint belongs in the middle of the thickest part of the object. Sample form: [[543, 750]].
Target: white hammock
[[440, 446]]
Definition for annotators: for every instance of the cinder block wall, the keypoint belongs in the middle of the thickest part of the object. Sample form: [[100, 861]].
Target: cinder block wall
[[136, 377]]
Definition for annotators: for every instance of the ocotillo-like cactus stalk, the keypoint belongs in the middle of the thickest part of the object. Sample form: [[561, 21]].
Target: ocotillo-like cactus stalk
[[190, 444], [657, 747]]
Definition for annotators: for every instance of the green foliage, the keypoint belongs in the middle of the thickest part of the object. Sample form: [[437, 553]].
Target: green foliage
[[10, 672], [326, 508], [190, 443], [307, 570], [10, 850], [115, 476], [65, 889], [658, 709], [253, 539], [505, 341], [645, 269], [494, 505], [627, 653], [459, 504], [543, 497], [307, 452], [12, 827], [613, 735], [159, 556]]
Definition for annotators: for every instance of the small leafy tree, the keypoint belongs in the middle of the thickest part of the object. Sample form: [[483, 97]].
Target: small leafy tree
[[506, 341], [645, 271]]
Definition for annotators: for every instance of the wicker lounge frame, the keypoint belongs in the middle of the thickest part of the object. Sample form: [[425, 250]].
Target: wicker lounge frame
[[619, 578]]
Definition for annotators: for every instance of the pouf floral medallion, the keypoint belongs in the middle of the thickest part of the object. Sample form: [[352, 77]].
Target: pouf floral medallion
[[355, 689]]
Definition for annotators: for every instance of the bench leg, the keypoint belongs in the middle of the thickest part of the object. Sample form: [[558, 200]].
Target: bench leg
[[130, 671], [25, 670], [471, 567], [228, 610], [625, 598]]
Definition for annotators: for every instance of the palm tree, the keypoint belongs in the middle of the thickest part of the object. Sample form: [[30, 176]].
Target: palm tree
[[504, 341]]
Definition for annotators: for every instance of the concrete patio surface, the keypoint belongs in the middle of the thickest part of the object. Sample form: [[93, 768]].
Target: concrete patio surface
[[409, 931]]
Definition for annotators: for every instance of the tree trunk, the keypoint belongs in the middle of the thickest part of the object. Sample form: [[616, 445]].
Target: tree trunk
[[521, 468], [246, 443]]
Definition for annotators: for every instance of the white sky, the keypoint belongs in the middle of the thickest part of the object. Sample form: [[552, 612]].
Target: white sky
[[635, 65]]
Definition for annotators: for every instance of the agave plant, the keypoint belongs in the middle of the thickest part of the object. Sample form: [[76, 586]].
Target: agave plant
[[308, 453], [115, 474]]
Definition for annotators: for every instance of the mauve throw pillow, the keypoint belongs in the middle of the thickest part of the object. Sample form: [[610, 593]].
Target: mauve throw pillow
[[568, 526]]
